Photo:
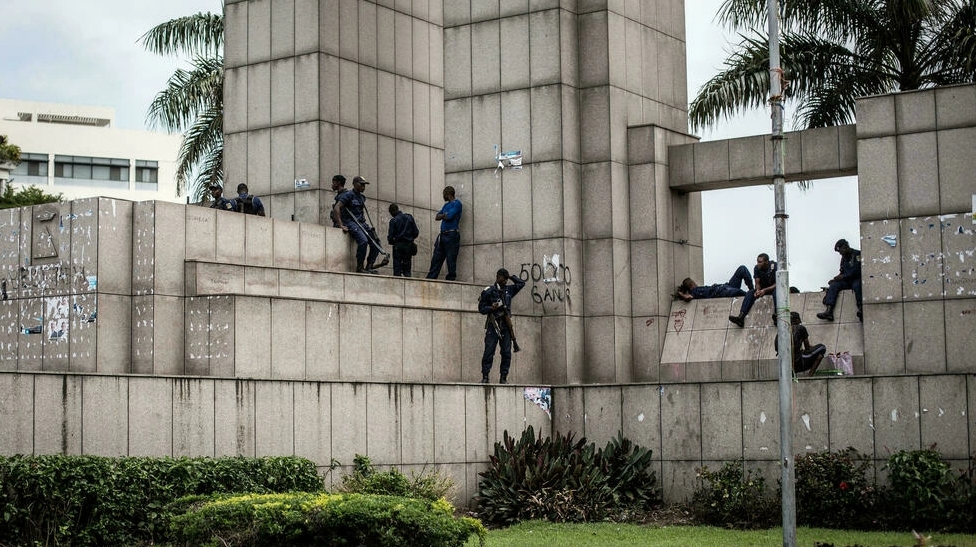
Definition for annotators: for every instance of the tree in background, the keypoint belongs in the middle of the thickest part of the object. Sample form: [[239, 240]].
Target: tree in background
[[28, 195], [193, 101], [9, 153], [833, 51]]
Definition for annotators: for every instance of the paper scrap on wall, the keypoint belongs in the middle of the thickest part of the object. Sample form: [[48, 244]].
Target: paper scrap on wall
[[542, 397]]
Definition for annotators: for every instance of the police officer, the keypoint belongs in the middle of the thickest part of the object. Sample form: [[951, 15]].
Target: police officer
[[496, 303]]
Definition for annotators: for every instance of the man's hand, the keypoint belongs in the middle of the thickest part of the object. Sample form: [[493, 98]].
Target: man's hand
[[684, 296], [495, 305], [439, 216]]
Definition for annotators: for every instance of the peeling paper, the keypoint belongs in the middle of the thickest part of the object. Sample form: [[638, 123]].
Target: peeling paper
[[762, 417], [511, 159], [890, 239], [806, 421], [542, 397]]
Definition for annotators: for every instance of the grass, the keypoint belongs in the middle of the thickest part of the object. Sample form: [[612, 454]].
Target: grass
[[632, 535]]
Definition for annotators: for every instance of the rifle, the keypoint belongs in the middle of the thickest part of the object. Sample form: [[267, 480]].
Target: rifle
[[511, 329]]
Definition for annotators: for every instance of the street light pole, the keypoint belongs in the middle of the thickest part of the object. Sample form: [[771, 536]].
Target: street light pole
[[783, 329]]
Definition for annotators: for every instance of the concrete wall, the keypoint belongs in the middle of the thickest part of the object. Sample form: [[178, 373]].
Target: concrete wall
[[453, 428], [917, 177]]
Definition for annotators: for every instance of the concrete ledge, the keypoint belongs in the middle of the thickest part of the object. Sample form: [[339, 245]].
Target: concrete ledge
[[733, 163], [702, 345]]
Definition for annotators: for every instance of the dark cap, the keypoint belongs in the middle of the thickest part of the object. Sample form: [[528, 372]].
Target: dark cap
[[841, 243], [358, 178], [503, 272], [215, 187], [339, 178], [241, 186]]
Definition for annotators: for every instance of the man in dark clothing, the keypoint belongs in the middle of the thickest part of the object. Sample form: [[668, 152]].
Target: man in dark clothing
[[448, 242], [247, 203], [403, 230], [764, 275], [805, 356], [496, 303], [690, 290], [349, 211], [338, 186], [848, 278], [219, 201]]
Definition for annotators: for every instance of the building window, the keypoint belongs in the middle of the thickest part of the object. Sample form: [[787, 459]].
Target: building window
[[147, 171], [88, 171], [34, 165]]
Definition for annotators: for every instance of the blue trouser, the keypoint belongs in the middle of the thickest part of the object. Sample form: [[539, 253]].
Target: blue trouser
[[492, 338], [741, 275], [834, 288], [446, 247], [366, 242], [402, 259], [750, 298]]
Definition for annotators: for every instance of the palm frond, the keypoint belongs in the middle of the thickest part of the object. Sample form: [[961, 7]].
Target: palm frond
[[198, 34], [203, 145], [187, 92], [744, 84]]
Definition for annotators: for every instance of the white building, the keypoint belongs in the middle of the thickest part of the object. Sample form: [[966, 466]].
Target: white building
[[76, 151]]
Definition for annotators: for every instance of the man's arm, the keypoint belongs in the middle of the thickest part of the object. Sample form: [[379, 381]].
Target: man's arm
[[391, 231], [449, 211], [486, 301], [337, 216], [517, 285], [685, 296], [258, 206]]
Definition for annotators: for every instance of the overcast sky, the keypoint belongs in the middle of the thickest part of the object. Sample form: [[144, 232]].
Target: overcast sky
[[86, 52]]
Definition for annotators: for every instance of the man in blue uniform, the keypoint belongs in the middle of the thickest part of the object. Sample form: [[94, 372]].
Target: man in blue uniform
[[448, 242], [349, 212], [338, 186], [764, 275], [219, 201], [848, 278], [403, 230], [248, 204], [689, 290], [496, 303]]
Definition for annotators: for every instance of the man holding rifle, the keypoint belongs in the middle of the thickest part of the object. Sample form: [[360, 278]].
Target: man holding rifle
[[496, 303]]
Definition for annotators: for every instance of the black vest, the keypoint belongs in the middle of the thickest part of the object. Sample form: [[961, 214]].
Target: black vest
[[246, 205]]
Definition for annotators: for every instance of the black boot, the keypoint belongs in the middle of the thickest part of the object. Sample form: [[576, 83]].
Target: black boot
[[738, 319], [503, 379], [827, 314], [484, 378]]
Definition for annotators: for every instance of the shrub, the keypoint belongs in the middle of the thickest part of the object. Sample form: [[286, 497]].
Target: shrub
[[921, 490], [90, 500], [303, 519], [734, 498], [9, 153], [833, 491], [365, 479], [563, 480]]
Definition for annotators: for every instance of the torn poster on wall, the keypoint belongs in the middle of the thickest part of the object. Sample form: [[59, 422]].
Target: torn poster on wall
[[973, 214], [542, 397], [511, 159]]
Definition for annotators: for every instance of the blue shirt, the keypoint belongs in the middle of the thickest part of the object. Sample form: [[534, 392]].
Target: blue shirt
[[353, 204], [452, 215]]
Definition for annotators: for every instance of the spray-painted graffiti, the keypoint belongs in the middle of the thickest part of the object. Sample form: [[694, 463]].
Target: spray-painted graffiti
[[554, 276], [679, 319], [47, 278]]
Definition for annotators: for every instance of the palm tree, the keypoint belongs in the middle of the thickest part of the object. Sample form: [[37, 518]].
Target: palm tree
[[833, 51], [193, 101]]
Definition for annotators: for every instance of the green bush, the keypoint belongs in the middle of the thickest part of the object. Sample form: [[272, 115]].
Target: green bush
[[734, 498], [921, 490], [833, 491], [90, 500], [365, 479], [563, 480], [303, 519], [28, 195]]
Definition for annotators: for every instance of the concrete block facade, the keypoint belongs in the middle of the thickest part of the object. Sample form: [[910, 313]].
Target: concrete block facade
[[452, 428], [917, 235]]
